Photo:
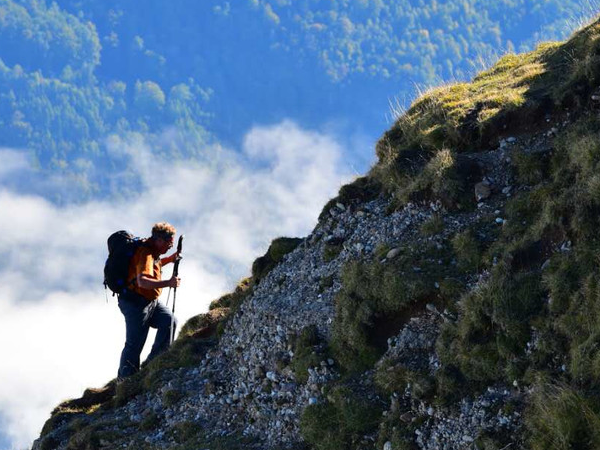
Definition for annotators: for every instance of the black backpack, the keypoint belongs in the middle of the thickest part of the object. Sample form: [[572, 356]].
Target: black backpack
[[121, 248]]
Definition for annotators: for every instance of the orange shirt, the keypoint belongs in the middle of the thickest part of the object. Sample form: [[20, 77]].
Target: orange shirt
[[144, 263]]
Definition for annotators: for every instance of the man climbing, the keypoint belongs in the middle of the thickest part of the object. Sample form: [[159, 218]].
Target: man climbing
[[139, 303]]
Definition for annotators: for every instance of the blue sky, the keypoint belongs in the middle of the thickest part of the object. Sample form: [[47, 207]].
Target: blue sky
[[5, 440]]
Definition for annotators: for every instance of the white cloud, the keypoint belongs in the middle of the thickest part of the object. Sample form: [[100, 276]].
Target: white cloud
[[12, 162], [64, 335]]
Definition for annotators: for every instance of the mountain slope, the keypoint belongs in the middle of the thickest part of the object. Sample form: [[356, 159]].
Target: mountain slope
[[447, 299]]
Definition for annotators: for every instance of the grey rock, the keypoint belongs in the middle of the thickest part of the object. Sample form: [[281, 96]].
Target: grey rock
[[483, 191], [393, 253]]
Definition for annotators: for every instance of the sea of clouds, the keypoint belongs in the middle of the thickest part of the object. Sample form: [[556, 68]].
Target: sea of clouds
[[59, 331]]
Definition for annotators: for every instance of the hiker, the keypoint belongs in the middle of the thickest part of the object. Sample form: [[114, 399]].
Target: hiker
[[139, 303]]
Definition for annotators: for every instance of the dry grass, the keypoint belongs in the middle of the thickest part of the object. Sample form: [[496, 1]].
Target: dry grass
[[515, 94]]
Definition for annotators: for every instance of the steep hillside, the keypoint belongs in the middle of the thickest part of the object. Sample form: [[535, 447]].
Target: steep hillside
[[448, 299]]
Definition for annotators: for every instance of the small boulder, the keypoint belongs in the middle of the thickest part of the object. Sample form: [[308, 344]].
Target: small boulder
[[483, 191], [407, 417], [259, 372], [393, 253]]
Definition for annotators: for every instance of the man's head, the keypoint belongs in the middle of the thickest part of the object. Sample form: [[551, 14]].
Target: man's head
[[163, 234]]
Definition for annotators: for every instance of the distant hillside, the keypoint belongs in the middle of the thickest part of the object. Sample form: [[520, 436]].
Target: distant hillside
[[265, 60], [448, 299], [53, 104], [73, 73]]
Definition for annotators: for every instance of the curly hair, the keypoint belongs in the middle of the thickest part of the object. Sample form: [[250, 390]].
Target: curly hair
[[163, 229]]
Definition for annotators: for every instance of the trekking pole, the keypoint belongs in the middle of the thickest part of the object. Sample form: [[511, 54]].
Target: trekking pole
[[175, 273]]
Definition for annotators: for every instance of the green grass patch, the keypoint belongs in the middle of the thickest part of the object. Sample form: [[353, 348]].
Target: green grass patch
[[49, 443], [277, 250], [234, 299], [309, 350], [341, 421], [185, 352], [74, 413], [392, 377], [531, 168], [332, 249], [443, 175], [187, 432], [468, 250], [518, 91], [381, 250], [377, 298], [363, 189], [580, 325], [86, 439], [130, 387], [525, 216], [433, 226], [326, 283], [150, 422], [171, 397], [561, 417], [190, 435], [488, 342], [204, 325], [399, 433], [535, 285]]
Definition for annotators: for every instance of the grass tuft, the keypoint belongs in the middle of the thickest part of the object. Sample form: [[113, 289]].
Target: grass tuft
[[332, 249], [488, 342], [340, 421], [392, 377], [433, 226], [234, 299], [309, 351], [362, 189], [467, 250], [517, 92], [377, 298], [562, 418], [277, 250]]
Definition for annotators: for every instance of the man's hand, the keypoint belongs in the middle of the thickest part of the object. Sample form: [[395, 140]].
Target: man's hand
[[173, 282], [171, 258]]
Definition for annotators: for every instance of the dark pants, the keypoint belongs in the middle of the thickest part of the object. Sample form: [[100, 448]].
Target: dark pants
[[140, 315]]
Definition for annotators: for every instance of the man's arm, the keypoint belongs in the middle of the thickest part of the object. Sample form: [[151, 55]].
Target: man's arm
[[145, 282], [169, 259], [145, 279]]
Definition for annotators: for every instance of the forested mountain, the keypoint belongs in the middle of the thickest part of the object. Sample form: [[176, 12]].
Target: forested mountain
[[52, 102], [73, 73]]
